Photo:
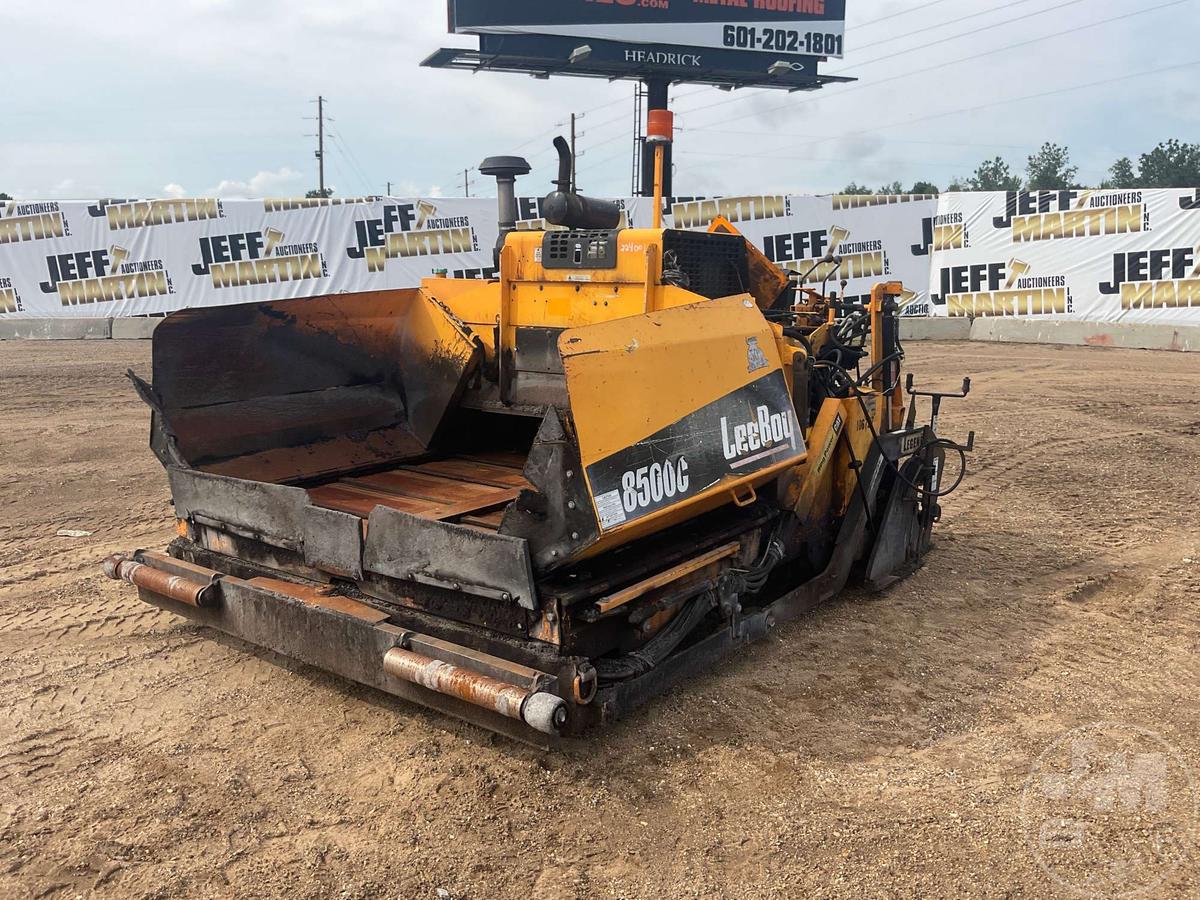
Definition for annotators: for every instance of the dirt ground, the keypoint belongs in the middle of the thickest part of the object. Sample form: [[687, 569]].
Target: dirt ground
[[880, 746]]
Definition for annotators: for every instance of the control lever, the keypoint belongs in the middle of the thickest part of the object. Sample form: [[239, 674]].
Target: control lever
[[937, 397]]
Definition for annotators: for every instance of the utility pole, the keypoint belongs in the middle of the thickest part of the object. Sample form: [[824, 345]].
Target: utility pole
[[573, 154], [466, 183], [321, 144], [639, 138], [389, 189]]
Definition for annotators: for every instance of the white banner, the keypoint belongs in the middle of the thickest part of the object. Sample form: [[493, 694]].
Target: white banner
[[1100, 256], [1095, 255], [877, 238], [126, 258]]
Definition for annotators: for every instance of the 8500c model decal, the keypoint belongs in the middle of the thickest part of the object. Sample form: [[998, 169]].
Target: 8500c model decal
[[746, 431]]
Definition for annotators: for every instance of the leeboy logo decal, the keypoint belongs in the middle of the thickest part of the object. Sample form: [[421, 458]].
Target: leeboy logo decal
[[746, 431], [767, 434]]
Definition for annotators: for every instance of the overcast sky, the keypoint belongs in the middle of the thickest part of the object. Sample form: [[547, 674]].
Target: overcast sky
[[203, 97]]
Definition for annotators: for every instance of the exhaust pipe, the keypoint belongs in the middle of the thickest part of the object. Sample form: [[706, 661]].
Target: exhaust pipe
[[568, 209]]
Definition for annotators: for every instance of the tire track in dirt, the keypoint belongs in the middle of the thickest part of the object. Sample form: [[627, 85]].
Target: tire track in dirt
[[877, 746]]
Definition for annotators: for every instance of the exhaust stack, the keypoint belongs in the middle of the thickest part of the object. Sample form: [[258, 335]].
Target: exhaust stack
[[568, 209]]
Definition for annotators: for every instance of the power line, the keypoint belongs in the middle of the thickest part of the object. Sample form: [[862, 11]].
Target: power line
[[876, 129], [943, 65], [1038, 96], [883, 138], [346, 146], [764, 156], [339, 142], [903, 12], [1022, 99], [991, 9], [963, 34]]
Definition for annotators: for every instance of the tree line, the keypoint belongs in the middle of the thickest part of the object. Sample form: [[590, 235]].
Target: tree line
[[1172, 164]]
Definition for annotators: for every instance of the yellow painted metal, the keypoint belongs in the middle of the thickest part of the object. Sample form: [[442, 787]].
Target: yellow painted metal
[[660, 150], [889, 413], [628, 380], [640, 356], [530, 295], [807, 489], [856, 437]]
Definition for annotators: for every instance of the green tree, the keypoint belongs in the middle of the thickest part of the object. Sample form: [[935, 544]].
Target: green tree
[[1050, 169], [1172, 164], [1121, 175], [925, 187], [855, 188], [994, 175], [4, 197], [894, 188], [959, 184], [319, 194]]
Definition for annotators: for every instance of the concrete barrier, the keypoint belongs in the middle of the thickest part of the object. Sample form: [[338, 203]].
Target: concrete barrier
[[135, 329], [55, 329], [935, 329], [1012, 331], [1087, 334]]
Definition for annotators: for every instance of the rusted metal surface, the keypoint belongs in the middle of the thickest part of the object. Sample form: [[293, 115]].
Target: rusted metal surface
[[321, 596], [475, 688], [354, 496], [458, 557], [270, 512], [474, 471], [345, 645], [176, 587], [506, 670]]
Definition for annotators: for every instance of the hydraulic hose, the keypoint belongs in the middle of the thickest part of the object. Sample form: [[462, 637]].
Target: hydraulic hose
[[641, 661]]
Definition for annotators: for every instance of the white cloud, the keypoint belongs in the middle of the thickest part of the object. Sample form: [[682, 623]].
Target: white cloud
[[174, 191], [64, 190], [284, 182], [235, 104]]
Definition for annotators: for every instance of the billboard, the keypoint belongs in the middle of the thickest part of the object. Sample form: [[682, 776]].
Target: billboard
[[779, 27]]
